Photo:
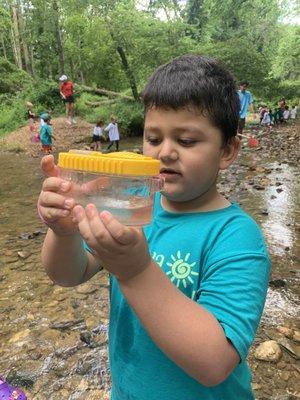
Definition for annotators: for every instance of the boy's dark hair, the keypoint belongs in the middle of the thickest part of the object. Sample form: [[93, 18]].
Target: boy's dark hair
[[244, 83], [199, 81]]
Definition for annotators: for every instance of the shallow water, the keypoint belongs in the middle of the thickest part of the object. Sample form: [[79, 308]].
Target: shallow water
[[54, 339]]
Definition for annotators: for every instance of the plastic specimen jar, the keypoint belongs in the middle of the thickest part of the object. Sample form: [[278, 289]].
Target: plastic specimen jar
[[123, 183]]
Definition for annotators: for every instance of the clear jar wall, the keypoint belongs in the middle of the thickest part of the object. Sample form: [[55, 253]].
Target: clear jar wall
[[128, 198]]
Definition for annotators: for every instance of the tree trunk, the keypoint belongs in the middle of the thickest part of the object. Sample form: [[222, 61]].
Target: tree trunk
[[23, 36], [3, 47], [100, 103], [108, 93], [16, 38], [128, 73], [60, 48]]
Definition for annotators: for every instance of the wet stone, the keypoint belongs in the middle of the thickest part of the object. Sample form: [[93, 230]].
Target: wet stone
[[277, 283], [64, 325], [20, 379], [23, 254]]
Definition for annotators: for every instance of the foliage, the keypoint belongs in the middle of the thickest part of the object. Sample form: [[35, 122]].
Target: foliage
[[116, 45], [129, 114], [229, 53], [12, 79]]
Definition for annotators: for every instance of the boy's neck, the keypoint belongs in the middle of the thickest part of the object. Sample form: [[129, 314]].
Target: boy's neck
[[210, 201]]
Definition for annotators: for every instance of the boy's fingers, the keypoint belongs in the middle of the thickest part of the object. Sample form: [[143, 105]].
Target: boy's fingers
[[119, 232], [52, 199], [55, 184], [51, 214], [83, 225], [48, 166]]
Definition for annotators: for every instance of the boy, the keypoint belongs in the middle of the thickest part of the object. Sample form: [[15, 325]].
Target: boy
[[46, 136], [187, 293], [246, 101]]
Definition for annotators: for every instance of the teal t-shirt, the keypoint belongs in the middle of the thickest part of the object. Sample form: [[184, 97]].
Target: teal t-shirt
[[218, 259], [46, 134]]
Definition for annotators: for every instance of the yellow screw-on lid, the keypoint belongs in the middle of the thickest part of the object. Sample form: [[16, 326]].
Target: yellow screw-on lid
[[119, 163]]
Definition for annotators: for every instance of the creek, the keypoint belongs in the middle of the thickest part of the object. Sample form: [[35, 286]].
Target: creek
[[54, 339]]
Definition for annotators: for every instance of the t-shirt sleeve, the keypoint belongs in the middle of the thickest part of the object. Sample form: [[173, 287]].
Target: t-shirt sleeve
[[234, 283]]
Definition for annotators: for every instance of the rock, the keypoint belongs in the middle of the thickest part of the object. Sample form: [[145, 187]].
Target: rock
[[277, 283], [268, 351], [64, 325], [20, 379], [256, 386], [287, 332], [19, 337], [285, 375], [290, 347], [86, 288], [259, 187], [296, 336], [23, 254], [86, 337], [264, 212]]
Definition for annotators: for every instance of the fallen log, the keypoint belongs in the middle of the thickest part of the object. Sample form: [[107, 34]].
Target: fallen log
[[100, 103], [108, 93]]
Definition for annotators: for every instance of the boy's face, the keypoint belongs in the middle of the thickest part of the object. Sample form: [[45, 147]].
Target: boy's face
[[190, 150]]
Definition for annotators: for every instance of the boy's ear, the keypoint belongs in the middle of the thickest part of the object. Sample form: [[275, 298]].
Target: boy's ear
[[230, 152]]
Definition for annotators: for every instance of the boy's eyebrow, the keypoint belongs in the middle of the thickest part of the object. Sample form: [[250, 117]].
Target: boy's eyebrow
[[179, 130], [189, 129]]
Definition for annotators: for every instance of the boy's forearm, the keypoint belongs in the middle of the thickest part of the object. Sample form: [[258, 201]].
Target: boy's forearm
[[66, 261], [181, 328]]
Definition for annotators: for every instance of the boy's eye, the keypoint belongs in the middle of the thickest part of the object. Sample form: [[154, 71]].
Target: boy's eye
[[187, 142], [153, 141]]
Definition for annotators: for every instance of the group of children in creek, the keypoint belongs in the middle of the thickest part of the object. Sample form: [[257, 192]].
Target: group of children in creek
[[280, 115]]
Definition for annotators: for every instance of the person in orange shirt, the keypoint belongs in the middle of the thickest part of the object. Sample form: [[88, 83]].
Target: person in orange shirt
[[66, 89]]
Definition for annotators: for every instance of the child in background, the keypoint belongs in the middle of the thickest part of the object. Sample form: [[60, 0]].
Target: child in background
[[286, 114], [30, 116], [113, 133], [293, 113], [46, 136], [187, 292], [97, 135], [266, 120], [262, 111], [43, 116]]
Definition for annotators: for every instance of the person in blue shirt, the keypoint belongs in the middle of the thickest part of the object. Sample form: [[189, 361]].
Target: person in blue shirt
[[187, 291], [46, 136], [246, 102]]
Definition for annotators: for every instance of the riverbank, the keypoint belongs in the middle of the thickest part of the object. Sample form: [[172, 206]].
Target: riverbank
[[54, 340]]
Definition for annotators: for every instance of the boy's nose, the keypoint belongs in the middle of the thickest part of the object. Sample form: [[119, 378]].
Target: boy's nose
[[168, 151]]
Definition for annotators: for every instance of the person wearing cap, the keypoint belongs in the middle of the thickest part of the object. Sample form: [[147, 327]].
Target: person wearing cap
[[66, 89]]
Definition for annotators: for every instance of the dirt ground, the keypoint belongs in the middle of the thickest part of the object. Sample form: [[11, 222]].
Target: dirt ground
[[66, 137]]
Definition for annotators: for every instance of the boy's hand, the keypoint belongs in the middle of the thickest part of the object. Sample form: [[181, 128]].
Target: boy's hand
[[54, 205], [122, 250]]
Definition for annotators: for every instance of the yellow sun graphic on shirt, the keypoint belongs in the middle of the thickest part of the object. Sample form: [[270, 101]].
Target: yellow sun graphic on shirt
[[181, 270]]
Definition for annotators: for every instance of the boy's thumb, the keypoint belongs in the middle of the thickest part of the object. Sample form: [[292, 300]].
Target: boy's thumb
[[48, 166]]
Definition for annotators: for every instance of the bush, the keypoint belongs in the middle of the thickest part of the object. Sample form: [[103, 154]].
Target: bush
[[12, 79], [129, 114]]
